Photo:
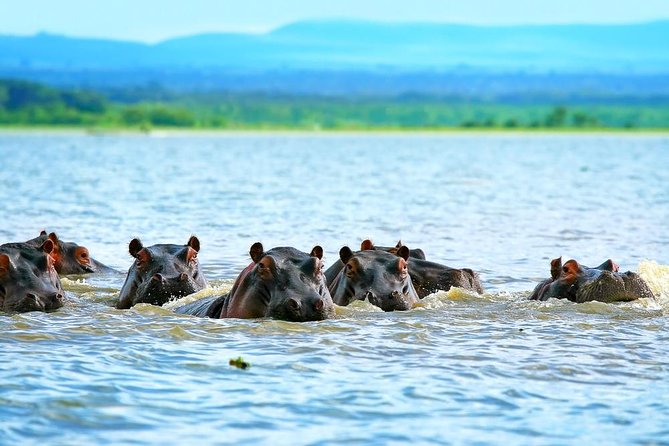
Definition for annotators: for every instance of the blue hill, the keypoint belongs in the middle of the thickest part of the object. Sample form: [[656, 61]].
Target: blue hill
[[353, 45]]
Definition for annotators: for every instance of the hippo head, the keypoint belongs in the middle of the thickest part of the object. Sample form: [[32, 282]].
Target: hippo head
[[28, 279], [161, 273], [70, 258], [379, 276], [282, 283], [579, 283]]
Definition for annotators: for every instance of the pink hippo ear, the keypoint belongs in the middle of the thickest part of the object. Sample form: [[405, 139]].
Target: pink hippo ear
[[4, 264], [403, 252], [256, 252], [366, 245], [609, 265], [54, 238], [317, 251], [48, 246], [570, 271], [402, 265], [194, 243]]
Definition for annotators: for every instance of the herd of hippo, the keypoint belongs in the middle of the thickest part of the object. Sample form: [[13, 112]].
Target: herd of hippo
[[282, 283]]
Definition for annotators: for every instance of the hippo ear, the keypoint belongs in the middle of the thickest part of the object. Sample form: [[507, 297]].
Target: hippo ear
[[256, 252], [366, 245], [54, 238], [399, 244], [48, 246], [135, 246], [571, 268], [4, 264], [194, 243], [345, 254], [317, 251], [402, 265], [556, 267], [403, 252], [609, 265], [42, 233]]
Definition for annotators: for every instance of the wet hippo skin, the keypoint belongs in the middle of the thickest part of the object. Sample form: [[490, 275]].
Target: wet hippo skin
[[281, 283], [161, 273]]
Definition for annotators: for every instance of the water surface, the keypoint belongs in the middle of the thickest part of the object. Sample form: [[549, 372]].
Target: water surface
[[459, 369]]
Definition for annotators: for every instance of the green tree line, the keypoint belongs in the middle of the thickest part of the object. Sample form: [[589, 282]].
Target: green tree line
[[25, 103]]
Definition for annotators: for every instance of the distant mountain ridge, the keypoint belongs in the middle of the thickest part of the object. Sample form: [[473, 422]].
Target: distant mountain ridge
[[358, 45]]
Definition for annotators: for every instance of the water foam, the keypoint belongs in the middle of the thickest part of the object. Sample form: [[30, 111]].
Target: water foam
[[657, 278], [215, 289]]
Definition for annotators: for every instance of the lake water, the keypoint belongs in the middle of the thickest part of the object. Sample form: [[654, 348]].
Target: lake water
[[459, 369]]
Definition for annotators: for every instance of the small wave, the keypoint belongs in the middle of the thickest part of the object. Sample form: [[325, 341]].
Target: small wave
[[442, 299], [215, 289], [657, 278], [76, 285]]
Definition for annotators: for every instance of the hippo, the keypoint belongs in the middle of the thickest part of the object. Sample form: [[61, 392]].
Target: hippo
[[579, 283], [161, 272], [333, 271], [379, 276], [70, 258], [430, 277], [28, 279], [281, 283], [427, 277]]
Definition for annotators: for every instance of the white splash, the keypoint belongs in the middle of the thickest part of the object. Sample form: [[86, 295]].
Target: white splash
[[657, 278], [215, 289]]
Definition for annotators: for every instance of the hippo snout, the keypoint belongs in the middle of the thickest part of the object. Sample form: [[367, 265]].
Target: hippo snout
[[302, 309], [34, 302]]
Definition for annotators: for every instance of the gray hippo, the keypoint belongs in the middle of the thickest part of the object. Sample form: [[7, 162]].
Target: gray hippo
[[70, 258], [430, 277], [427, 277], [281, 283], [161, 273], [379, 276], [28, 279], [333, 271], [579, 283]]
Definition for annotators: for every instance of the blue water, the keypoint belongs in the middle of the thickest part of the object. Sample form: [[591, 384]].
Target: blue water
[[459, 369]]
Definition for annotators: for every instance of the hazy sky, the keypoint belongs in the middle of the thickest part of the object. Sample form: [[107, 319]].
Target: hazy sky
[[153, 20]]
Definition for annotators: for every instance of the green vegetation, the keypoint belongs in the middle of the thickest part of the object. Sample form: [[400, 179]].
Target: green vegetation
[[240, 363], [30, 104]]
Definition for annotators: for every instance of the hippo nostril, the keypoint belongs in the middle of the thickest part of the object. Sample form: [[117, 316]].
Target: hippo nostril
[[158, 277], [32, 296], [369, 295], [183, 277], [292, 303], [59, 297], [396, 294], [318, 305]]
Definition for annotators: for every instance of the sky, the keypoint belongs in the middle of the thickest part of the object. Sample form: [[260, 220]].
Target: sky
[[155, 20]]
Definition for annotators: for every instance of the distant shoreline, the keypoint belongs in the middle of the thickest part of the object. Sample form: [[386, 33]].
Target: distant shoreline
[[177, 131]]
